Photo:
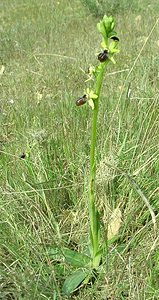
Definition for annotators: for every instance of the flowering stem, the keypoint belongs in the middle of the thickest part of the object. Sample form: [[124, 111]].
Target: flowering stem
[[93, 213], [109, 48]]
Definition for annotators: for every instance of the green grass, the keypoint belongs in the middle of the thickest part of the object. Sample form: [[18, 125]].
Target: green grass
[[46, 49]]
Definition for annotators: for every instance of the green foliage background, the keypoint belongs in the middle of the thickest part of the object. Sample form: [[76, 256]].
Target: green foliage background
[[46, 49]]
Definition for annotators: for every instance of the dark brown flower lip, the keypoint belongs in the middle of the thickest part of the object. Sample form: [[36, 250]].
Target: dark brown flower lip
[[81, 100], [23, 155], [103, 56], [115, 38]]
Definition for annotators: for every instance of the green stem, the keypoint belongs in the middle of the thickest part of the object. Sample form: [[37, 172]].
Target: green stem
[[93, 213]]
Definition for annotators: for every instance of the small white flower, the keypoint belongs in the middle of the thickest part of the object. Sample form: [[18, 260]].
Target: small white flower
[[11, 101]]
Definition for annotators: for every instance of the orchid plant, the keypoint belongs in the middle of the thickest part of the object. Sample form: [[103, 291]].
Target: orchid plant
[[88, 264]]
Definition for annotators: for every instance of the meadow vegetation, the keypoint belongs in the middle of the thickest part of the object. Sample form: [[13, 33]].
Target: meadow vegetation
[[46, 49]]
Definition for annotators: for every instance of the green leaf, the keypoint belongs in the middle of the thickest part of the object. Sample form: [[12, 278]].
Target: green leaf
[[74, 280], [76, 259], [97, 258]]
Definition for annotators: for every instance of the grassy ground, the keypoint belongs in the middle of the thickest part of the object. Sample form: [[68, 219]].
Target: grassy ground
[[45, 50]]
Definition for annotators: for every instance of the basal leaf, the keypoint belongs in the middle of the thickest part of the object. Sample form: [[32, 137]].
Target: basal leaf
[[76, 259], [98, 258], [74, 280]]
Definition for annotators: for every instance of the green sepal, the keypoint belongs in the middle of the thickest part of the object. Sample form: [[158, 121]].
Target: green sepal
[[104, 45], [113, 47], [74, 281], [91, 103], [112, 60]]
